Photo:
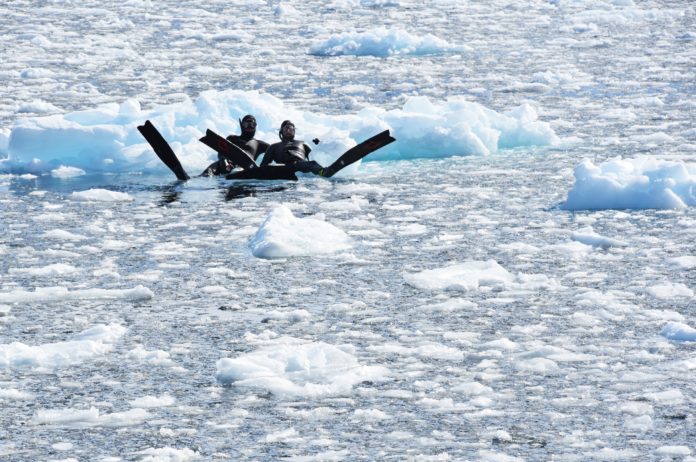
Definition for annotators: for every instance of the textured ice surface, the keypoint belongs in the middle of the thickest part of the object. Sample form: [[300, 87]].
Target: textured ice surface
[[584, 351]]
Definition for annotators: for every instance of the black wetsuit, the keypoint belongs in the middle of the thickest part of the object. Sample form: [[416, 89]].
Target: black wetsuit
[[295, 152], [248, 144]]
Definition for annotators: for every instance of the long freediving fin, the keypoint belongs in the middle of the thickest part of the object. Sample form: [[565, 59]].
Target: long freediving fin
[[162, 149], [228, 150], [357, 152]]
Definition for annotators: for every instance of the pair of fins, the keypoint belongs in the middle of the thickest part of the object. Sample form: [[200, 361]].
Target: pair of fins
[[251, 171]]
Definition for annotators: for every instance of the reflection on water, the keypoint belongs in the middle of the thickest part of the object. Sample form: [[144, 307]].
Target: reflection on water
[[250, 190], [170, 193]]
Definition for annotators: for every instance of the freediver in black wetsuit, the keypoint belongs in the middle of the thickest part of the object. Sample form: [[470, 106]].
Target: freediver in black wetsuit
[[244, 141], [290, 151]]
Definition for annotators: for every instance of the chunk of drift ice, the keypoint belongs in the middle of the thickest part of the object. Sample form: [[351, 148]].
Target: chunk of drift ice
[[87, 418], [679, 332], [101, 195], [105, 139], [90, 343], [56, 294], [298, 369], [464, 276], [640, 183], [382, 42], [284, 235], [588, 237], [67, 172]]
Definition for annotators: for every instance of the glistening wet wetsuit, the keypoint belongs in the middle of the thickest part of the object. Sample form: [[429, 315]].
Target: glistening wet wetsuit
[[290, 151]]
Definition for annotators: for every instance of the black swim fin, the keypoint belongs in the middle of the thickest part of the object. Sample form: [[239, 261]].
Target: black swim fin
[[228, 150], [357, 152], [162, 149]]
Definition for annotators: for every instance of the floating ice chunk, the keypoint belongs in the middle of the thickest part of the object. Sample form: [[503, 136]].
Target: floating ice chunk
[[520, 127], [63, 446], [543, 366], [685, 262], [641, 423], [460, 127], [659, 138], [57, 294], [371, 415], [450, 305], [493, 456], [102, 333], [106, 139], [641, 183], [636, 408], [44, 143], [284, 9], [67, 172], [62, 235], [292, 316], [574, 79], [36, 73], [380, 3], [679, 332], [670, 290], [92, 342], [100, 115], [101, 195], [613, 454], [472, 275], [167, 454], [503, 344], [152, 357], [464, 276], [666, 397], [637, 376], [130, 109], [283, 235], [673, 451], [12, 394], [383, 42], [587, 236], [442, 405], [289, 435], [298, 369], [555, 353], [4, 140], [38, 107], [153, 401], [425, 350], [472, 389], [56, 269], [88, 418]]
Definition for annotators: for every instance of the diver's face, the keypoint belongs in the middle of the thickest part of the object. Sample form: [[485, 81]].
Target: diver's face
[[248, 125], [289, 131]]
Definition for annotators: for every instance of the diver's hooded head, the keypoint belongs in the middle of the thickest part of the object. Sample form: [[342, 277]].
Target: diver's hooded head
[[287, 131], [248, 126]]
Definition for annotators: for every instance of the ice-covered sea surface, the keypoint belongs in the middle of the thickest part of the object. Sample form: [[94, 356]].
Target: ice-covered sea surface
[[513, 279]]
